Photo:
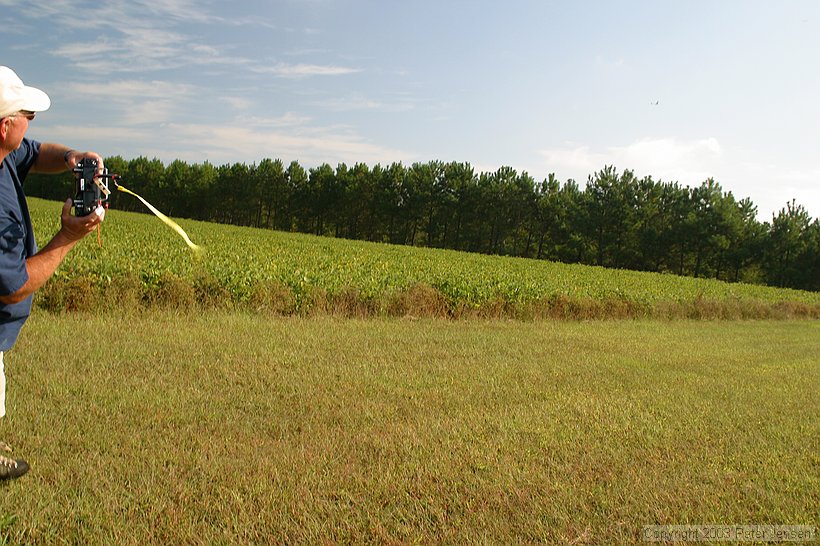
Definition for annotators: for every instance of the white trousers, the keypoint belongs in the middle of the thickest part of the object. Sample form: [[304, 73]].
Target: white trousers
[[2, 387]]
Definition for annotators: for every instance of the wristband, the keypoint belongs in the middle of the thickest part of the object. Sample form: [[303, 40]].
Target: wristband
[[65, 155]]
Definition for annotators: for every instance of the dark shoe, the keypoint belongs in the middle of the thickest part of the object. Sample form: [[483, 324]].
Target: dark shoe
[[11, 469]]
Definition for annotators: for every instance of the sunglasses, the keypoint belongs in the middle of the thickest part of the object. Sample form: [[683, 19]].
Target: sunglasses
[[22, 113], [29, 115]]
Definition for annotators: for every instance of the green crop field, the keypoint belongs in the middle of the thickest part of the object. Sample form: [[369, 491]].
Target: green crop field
[[142, 261]]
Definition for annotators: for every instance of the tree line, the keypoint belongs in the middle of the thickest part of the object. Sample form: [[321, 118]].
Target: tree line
[[616, 220]]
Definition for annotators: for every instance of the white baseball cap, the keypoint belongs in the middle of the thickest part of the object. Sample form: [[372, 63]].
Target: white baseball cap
[[15, 96]]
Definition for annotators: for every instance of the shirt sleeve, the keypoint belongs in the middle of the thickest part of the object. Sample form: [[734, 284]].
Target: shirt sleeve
[[25, 156]]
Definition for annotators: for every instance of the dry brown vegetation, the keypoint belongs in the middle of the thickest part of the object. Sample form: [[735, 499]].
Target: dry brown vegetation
[[84, 294]]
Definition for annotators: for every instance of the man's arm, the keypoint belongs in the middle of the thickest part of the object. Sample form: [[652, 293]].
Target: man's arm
[[56, 158], [42, 265]]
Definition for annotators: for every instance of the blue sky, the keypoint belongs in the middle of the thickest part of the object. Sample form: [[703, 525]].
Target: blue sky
[[678, 90]]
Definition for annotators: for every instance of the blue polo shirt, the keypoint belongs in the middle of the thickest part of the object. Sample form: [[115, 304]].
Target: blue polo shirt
[[16, 239]]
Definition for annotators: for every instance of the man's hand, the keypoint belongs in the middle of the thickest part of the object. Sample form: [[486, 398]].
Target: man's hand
[[75, 228], [72, 157]]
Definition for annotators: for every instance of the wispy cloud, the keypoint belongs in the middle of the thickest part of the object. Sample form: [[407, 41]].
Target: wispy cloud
[[130, 88], [117, 14], [690, 162], [289, 119], [237, 103], [138, 35], [225, 144], [686, 161], [141, 36], [138, 102], [144, 64], [610, 63], [285, 70], [141, 49], [180, 10], [360, 102], [771, 186], [88, 137], [309, 146], [144, 36]]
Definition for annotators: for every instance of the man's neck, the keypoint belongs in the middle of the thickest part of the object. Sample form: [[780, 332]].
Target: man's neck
[[4, 152]]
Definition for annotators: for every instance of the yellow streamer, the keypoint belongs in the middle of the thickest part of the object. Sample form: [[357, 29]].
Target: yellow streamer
[[171, 224]]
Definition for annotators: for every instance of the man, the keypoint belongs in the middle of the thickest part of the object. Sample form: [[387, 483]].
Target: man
[[23, 269]]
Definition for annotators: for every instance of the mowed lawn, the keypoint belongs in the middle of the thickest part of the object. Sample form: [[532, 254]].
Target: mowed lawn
[[231, 428]]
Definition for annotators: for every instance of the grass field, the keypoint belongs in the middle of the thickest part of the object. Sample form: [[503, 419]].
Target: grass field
[[226, 427]]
